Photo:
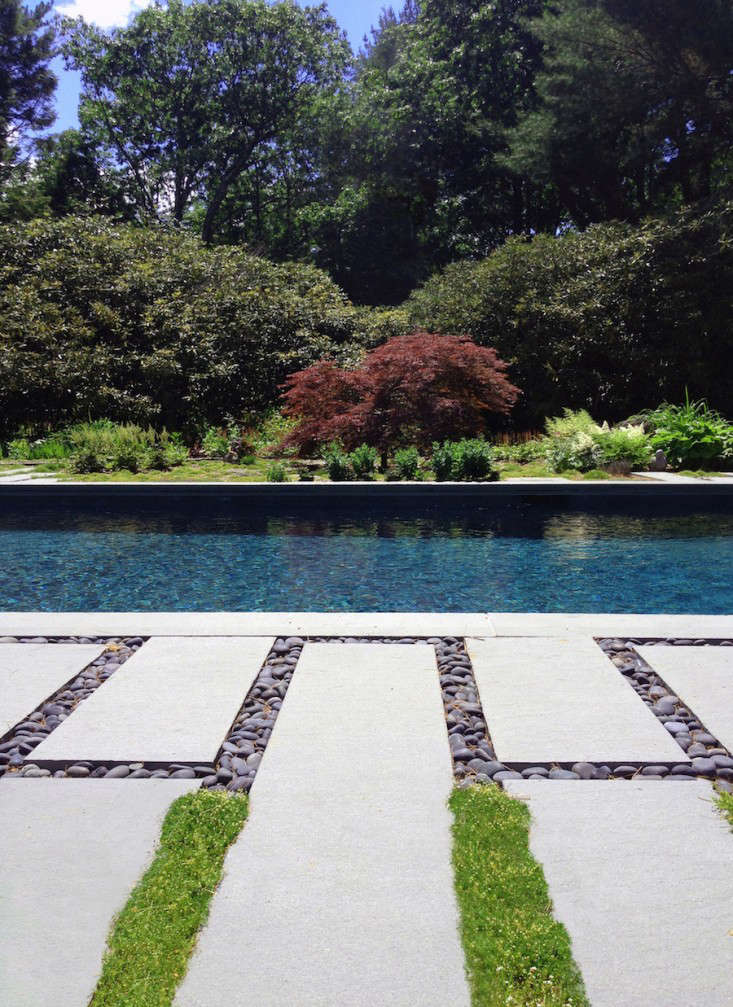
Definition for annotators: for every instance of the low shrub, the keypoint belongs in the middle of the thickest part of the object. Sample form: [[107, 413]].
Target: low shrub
[[87, 461], [407, 464], [338, 465], [527, 451], [577, 453], [19, 450], [468, 460], [625, 448], [473, 461], [276, 473], [692, 436], [216, 442], [442, 461], [364, 461]]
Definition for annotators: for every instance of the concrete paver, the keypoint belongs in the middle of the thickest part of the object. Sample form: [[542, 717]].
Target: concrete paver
[[345, 861], [598, 624], [173, 701], [32, 672], [703, 679], [641, 875], [360, 624], [555, 700], [70, 853]]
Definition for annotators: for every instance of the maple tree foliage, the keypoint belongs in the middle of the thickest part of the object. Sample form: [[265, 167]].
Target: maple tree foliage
[[413, 389]]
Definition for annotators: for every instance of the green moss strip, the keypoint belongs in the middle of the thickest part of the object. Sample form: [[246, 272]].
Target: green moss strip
[[516, 953], [154, 935], [726, 805]]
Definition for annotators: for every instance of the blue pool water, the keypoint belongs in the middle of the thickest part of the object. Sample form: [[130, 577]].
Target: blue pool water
[[524, 556]]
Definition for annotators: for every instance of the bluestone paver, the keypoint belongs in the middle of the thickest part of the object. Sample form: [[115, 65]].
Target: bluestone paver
[[703, 679], [340, 890], [641, 875], [173, 701], [556, 700], [71, 851], [32, 672], [360, 624]]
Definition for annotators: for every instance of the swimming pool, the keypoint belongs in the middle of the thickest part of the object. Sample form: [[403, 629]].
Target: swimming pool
[[520, 555]]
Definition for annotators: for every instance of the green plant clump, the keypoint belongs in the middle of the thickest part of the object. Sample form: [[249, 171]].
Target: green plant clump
[[154, 935], [726, 806], [407, 464], [692, 436], [276, 473], [338, 464], [516, 952], [364, 461], [469, 460]]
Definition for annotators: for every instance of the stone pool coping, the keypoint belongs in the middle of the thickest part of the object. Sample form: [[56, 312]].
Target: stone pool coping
[[366, 624], [321, 491]]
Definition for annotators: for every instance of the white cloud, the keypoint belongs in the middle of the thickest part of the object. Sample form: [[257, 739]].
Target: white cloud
[[105, 13]]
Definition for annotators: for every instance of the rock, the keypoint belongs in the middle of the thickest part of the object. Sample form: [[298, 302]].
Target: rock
[[585, 770], [534, 771], [507, 774], [625, 771], [676, 727], [704, 767], [78, 772], [183, 774], [655, 771], [118, 773], [682, 770], [563, 774], [665, 707], [659, 462]]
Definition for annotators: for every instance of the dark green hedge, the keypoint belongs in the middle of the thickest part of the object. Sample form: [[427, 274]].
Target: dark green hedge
[[614, 319], [150, 326]]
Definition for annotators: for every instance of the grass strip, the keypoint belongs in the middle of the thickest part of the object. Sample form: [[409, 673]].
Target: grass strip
[[726, 805], [154, 935], [516, 953]]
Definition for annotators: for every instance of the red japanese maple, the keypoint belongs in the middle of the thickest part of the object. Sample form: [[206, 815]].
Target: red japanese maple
[[413, 389]]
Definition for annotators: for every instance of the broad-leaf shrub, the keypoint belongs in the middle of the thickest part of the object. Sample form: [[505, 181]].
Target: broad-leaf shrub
[[149, 326], [413, 390], [692, 435], [468, 460], [407, 463], [338, 465], [364, 461], [608, 319]]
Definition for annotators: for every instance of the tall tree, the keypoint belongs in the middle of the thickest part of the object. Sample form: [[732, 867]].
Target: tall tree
[[27, 84], [191, 97], [636, 104]]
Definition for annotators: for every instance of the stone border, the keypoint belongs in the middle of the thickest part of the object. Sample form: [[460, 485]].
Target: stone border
[[325, 491]]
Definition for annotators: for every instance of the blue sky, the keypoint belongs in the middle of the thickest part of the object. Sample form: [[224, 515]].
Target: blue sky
[[354, 16]]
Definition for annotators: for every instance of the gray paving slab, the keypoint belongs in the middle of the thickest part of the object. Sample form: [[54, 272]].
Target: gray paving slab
[[703, 678], [600, 624], [397, 624], [32, 672], [345, 861], [563, 700], [641, 874], [70, 853], [173, 701]]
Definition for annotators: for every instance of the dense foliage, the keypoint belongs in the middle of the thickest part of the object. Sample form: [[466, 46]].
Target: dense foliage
[[412, 390], [148, 326], [606, 320]]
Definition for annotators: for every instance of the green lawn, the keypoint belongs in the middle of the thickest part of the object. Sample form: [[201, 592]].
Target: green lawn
[[516, 952], [154, 935]]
